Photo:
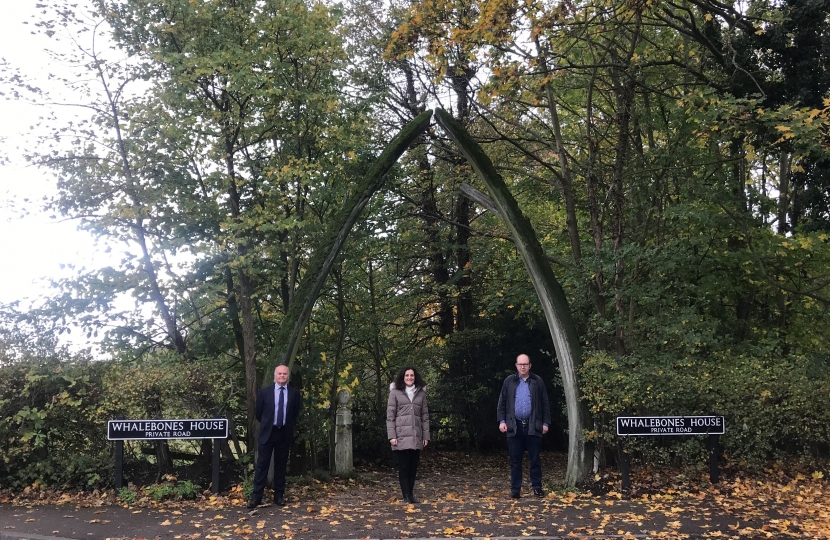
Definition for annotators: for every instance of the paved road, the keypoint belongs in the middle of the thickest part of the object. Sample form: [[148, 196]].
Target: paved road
[[460, 499], [341, 520]]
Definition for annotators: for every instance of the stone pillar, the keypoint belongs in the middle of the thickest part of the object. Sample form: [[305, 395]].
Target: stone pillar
[[343, 462]]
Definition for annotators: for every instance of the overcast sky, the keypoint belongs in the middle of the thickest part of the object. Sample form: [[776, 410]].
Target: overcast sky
[[35, 246]]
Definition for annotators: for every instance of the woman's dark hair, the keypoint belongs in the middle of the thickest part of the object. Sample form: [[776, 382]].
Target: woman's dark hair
[[400, 385]]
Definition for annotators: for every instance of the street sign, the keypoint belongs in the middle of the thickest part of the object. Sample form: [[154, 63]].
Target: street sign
[[670, 425], [133, 430]]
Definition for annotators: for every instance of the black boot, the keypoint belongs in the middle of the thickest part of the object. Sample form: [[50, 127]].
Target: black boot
[[406, 489], [412, 498]]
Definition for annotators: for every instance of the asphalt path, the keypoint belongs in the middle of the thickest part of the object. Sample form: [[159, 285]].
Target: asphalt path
[[348, 518], [459, 499]]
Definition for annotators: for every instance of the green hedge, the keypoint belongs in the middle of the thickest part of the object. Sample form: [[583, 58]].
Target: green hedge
[[50, 429], [774, 407]]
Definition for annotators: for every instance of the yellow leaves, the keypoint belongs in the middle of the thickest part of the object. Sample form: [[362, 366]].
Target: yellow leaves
[[707, 17], [459, 529], [817, 475]]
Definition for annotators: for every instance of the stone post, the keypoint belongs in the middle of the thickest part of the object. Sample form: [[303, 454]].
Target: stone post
[[343, 462]]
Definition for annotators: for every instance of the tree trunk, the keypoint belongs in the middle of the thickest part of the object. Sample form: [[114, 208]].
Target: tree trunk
[[335, 372], [566, 180], [624, 91], [245, 303], [784, 191], [377, 353], [596, 284]]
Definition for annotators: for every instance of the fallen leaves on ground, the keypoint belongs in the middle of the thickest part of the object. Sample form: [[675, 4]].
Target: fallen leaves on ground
[[464, 496]]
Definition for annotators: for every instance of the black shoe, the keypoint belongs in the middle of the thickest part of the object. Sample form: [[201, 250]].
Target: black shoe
[[515, 495], [413, 500], [253, 503], [538, 492], [279, 500]]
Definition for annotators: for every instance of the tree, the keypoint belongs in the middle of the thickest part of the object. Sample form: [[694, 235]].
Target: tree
[[218, 173]]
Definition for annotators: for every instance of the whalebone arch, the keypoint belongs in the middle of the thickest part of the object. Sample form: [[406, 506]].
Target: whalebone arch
[[551, 295]]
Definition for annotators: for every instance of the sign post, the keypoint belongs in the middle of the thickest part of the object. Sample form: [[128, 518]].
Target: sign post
[[629, 426], [153, 430], [119, 461]]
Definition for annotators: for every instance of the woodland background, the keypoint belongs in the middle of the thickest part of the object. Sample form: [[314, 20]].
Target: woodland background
[[672, 157]]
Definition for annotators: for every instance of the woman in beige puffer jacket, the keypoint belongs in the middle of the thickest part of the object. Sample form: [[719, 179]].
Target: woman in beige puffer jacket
[[407, 426]]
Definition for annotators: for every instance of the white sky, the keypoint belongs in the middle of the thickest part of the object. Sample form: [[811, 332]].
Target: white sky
[[35, 246]]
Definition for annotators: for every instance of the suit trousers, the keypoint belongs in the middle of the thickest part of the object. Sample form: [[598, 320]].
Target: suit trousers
[[278, 444], [517, 445]]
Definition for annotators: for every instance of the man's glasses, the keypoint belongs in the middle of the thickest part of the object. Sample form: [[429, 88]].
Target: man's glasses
[[522, 365]]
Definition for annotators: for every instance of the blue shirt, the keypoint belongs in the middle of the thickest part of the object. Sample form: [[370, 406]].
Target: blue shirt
[[522, 405], [522, 400]]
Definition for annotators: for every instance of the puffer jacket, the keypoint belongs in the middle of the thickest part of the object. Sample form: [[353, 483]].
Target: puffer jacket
[[407, 421]]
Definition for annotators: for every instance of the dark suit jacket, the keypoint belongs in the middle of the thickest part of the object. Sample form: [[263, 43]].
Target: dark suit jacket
[[265, 411], [539, 404]]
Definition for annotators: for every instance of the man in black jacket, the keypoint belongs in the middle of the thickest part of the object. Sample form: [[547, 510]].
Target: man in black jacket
[[524, 414], [277, 408]]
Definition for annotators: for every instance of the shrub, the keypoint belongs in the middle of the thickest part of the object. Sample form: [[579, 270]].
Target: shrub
[[159, 492], [769, 403], [127, 495], [50, 429], [180, 490], [186, 490], [248, 486]]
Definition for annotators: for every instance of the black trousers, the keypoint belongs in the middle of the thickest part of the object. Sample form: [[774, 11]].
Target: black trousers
[[517, 445], [407, 468], [278, 444]]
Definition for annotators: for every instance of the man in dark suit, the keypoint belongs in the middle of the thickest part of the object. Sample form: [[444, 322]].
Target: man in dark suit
[[524, 415], [277, 408]]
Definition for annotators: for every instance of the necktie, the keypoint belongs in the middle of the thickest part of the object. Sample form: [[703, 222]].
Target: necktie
[[280, 408]]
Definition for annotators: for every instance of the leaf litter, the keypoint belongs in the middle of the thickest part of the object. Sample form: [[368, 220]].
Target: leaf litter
[[465, 495]]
